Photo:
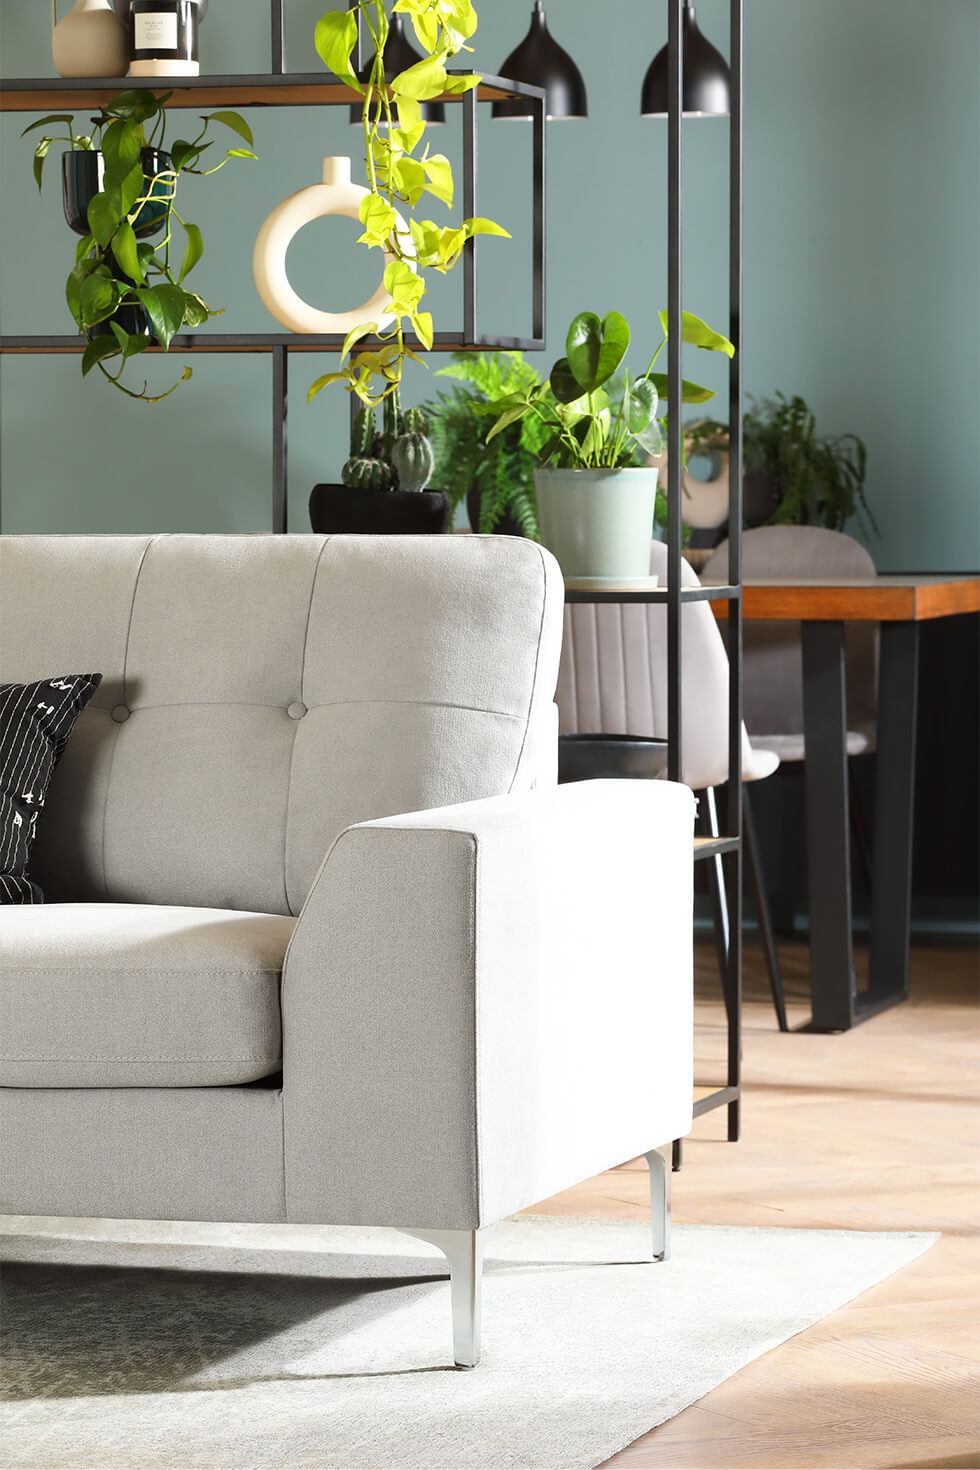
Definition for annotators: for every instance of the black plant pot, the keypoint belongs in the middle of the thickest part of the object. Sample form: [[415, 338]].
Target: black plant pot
[[83, 175], [506, 525], [340, 510]]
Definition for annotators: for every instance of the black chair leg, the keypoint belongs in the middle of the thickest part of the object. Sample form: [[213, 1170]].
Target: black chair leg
[[761, 901], [677, 1155], [719, 898]]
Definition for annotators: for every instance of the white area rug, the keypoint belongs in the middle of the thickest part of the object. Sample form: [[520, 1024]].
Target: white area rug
[[199, 1346]]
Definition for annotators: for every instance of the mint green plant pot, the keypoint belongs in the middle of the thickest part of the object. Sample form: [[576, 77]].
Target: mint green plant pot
[[598, 523]]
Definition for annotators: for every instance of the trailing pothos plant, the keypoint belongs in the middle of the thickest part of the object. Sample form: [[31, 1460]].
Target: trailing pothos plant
[[401, 171], [122, 283], [598, 416]]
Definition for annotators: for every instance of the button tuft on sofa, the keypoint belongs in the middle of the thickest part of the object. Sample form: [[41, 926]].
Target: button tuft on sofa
[[296, 710], [121, 713]]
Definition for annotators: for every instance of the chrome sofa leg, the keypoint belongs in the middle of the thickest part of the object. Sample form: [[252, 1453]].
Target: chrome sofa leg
[[659, 1204], [463, 1250]]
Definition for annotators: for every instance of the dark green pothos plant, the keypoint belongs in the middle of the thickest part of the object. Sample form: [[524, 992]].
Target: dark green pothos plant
[[126, 292]]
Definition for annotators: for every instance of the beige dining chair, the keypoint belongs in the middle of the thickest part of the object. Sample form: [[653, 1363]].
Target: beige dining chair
[[612, 682]]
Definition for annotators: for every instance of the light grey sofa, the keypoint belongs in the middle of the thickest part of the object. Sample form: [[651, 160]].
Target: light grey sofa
[[257, 992]]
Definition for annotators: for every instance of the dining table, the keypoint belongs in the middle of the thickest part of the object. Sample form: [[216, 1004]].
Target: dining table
[[899, 605]]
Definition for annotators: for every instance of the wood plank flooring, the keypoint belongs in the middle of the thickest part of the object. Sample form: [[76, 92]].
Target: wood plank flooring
[[877, 1129]]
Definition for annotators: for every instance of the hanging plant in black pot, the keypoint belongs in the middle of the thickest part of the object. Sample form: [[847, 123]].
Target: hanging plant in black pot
[[383, 482], [120, 186]]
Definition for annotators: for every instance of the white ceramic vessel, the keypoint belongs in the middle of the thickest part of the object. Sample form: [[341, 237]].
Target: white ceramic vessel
[[598, 523], [90, 41], [336, 195]]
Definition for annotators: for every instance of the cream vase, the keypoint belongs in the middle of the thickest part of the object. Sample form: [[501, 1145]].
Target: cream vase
[[336, 195], [598, 523], [90, 41]]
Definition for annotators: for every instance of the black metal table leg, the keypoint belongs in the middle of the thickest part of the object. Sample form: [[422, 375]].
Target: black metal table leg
[[832, 979], [891, 898]]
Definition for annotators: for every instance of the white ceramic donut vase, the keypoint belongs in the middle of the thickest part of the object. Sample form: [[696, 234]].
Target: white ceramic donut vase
[[336, 195]]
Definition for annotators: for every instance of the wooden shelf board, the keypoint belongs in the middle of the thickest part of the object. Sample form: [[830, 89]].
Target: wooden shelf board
[[260, 342], [53, 94]]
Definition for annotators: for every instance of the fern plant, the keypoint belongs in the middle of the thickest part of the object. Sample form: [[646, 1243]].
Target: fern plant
[[503, 471]]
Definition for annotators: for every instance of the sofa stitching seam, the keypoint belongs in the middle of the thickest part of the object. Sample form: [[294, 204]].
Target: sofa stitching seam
[[537, 665], [125, 691], [292, 751]]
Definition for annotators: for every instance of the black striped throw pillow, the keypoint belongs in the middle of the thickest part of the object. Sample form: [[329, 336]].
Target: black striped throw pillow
[[35, 723]]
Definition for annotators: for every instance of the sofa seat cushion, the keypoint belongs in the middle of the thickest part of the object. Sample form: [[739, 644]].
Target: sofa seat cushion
[[135, 995]]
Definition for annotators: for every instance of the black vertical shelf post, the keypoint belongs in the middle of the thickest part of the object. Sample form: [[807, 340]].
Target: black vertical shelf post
[[675, 357], [280, 406], [278, 38], [735, 815], [469, 210]]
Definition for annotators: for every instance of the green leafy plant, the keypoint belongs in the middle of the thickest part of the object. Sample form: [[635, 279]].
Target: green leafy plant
[[814, 480], [119, 278], [594, 413], [503, 471], [401, 171], [400, 457]]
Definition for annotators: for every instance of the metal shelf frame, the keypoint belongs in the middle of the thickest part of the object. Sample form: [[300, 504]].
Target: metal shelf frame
[[726, 850], [281, 88]]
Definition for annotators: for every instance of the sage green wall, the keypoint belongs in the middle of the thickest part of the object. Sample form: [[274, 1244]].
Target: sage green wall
[[862, 287]]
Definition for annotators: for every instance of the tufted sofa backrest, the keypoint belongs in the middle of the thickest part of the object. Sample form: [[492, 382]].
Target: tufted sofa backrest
[[260, 694]]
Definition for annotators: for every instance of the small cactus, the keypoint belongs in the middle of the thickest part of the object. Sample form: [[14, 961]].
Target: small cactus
[[362, 435], [368, 474], [399, 456], [413, 460]]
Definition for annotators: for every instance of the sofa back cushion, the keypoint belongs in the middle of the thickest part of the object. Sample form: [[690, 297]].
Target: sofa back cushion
[[260, 694]]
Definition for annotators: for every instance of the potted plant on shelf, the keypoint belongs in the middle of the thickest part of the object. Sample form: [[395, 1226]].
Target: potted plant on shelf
[[400, 172], [793, 476], [120, 188], [596, 498], [384, 481], [495, 480]]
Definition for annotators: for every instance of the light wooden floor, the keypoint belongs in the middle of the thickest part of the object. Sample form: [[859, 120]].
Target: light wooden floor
[[876, 1129]]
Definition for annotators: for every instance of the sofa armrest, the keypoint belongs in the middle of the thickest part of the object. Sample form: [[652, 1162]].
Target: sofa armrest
[[487, 1003]]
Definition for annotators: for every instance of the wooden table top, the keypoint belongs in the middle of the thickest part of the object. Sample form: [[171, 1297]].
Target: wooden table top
[[912, 598], [903, 599]]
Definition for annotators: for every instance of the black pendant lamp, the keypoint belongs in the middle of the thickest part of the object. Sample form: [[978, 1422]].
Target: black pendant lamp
[[400, 54], [707, 79], [541, 62]]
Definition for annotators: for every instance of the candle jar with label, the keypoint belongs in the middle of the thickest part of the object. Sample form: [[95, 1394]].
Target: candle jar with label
[[164, 38]]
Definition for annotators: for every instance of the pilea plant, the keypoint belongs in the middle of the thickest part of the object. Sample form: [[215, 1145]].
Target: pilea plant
[[401, 171], [398, 458], [125, 292]]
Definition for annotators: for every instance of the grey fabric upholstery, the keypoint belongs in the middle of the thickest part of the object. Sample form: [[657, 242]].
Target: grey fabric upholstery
[[772, 661], [150, 1153], [132, 995], [263, 693], [467, 1023]]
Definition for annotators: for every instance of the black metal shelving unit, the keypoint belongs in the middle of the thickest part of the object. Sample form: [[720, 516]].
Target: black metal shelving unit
[[724, 848], [282, 88]]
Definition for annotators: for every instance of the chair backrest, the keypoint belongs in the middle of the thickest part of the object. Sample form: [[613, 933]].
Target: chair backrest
[[260, 694], [772, 664], [613, 676]]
